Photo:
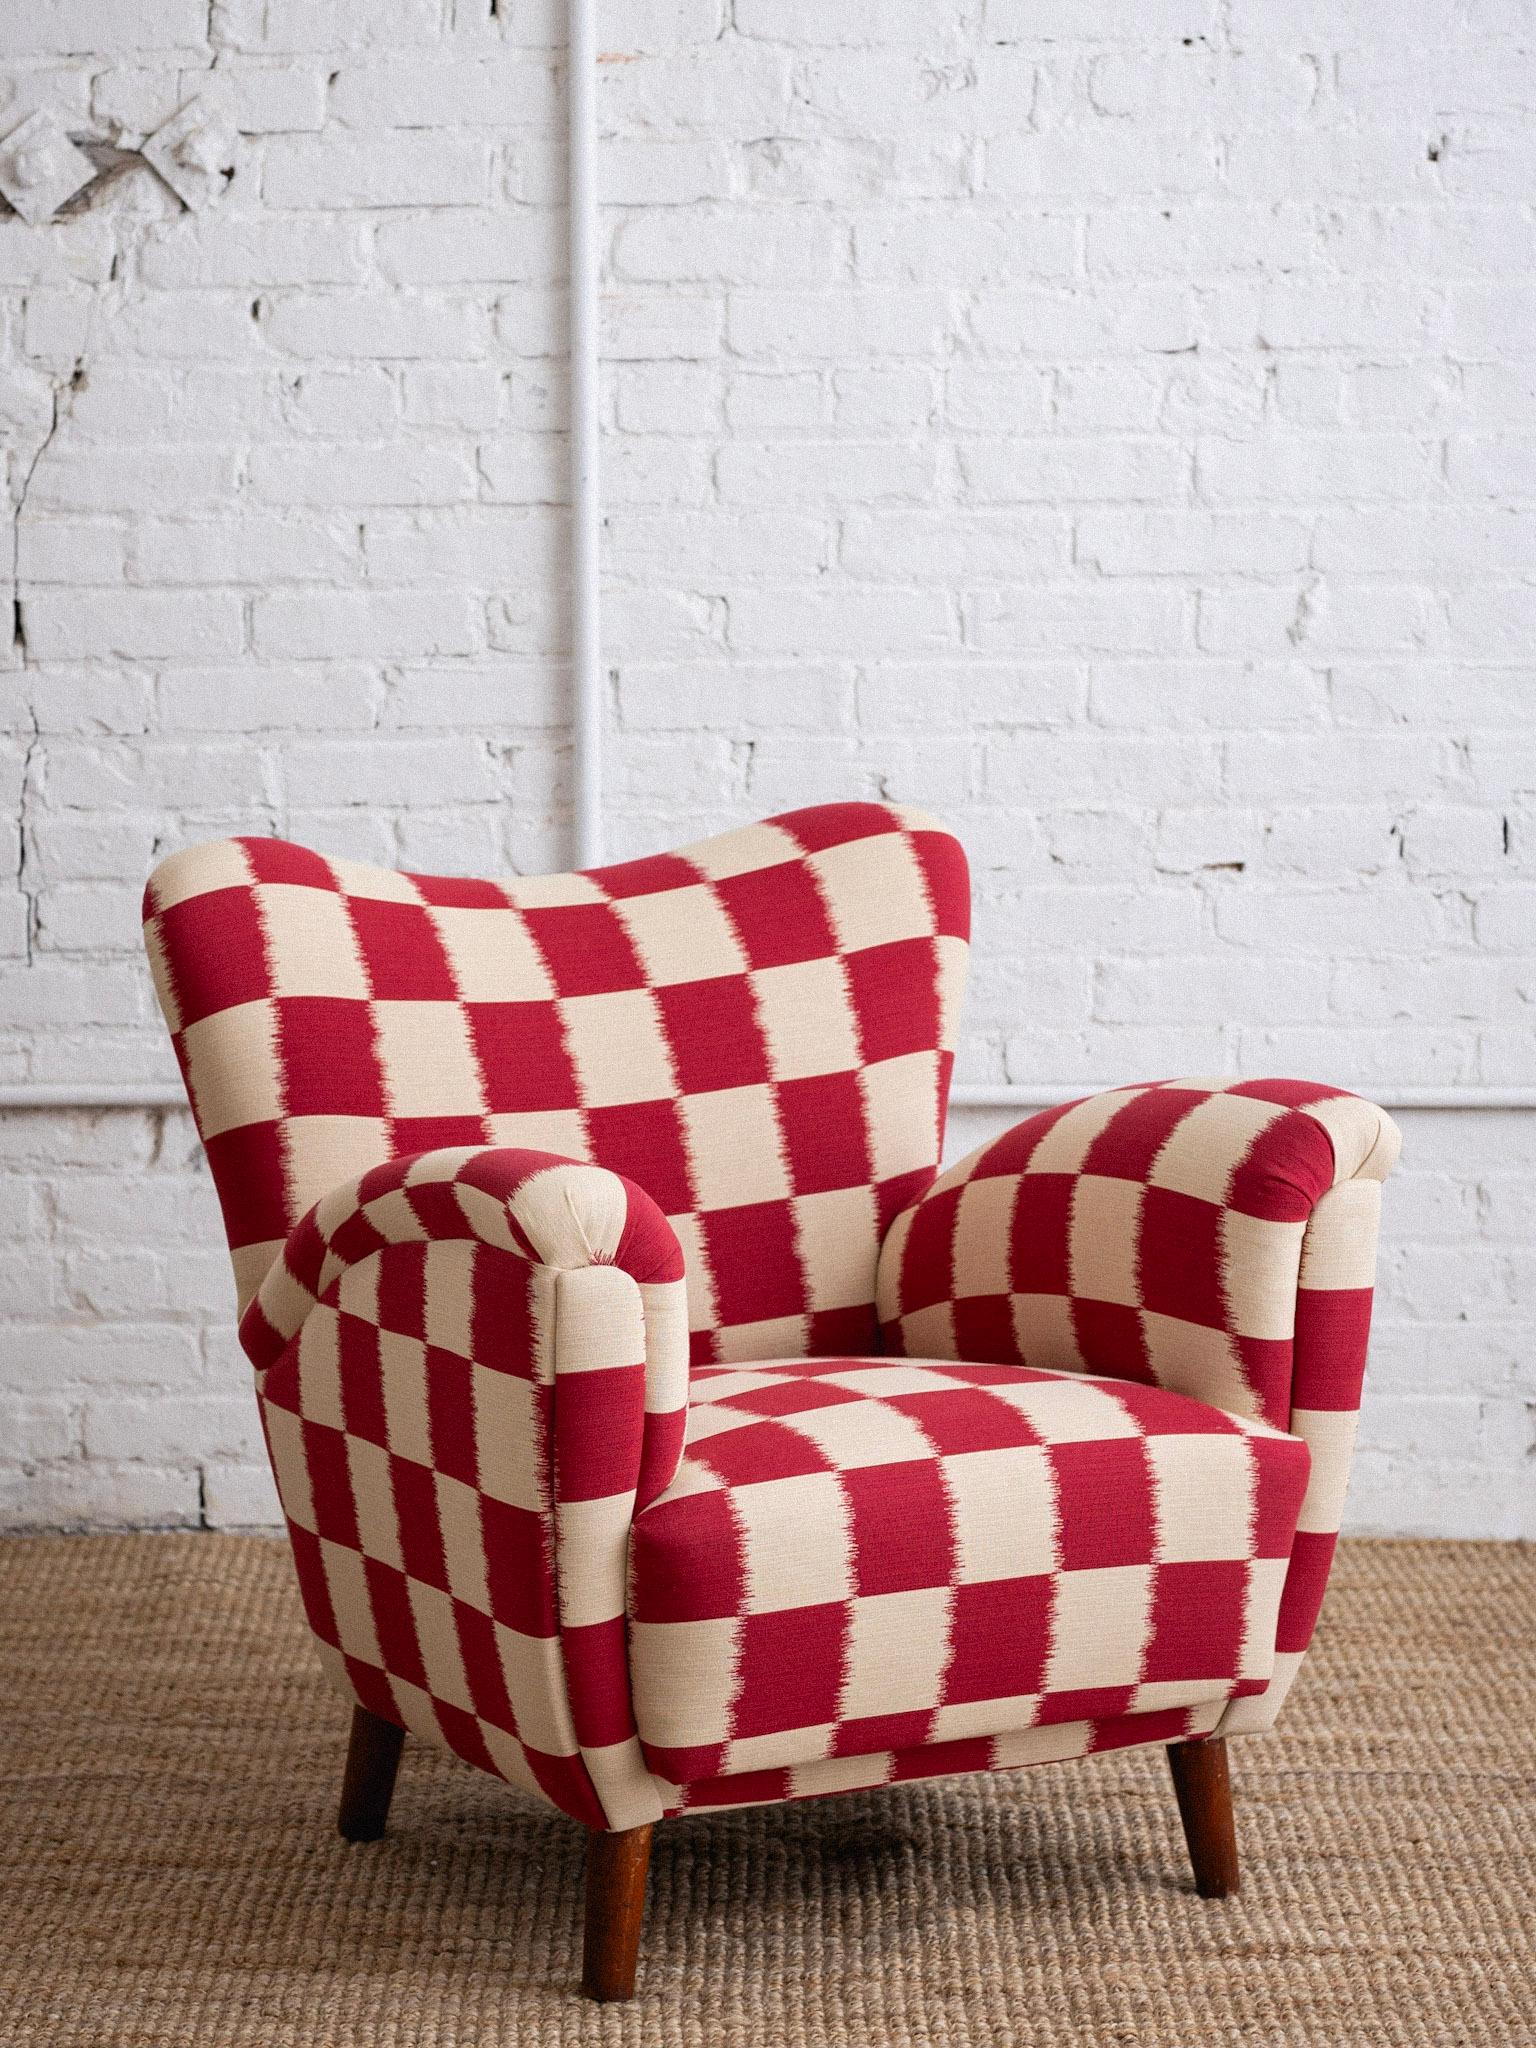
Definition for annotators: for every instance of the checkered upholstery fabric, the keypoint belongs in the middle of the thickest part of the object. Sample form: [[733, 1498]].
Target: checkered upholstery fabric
[[865, 1555], [757, 1030], [1056, 1742], [1214, 1238], [523, 1179], [472, 1366]]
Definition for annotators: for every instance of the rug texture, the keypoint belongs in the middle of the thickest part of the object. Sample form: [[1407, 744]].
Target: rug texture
[[172, 1878]]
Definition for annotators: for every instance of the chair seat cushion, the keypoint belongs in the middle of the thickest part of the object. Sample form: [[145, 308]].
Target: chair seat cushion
[[863, 1554]]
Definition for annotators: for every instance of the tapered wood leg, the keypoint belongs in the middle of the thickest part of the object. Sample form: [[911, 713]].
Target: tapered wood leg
[[616, 1868], [1204, 1792], [373, 1757]]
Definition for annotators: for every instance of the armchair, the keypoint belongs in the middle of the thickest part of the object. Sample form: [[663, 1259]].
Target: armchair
[[656, 1428]]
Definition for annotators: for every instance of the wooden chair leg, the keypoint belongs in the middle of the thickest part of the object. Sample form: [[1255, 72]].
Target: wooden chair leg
[[373, 1758], [616, 1868], [1204, 1790]]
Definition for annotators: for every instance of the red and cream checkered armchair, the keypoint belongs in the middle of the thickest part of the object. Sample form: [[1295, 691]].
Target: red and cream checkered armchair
[[658, 1429]]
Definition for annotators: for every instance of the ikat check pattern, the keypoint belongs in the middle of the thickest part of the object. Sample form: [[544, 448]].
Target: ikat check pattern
[[1215, 1238], [525, 1182], [870, 1555], [472, 1367], [758, 1030]]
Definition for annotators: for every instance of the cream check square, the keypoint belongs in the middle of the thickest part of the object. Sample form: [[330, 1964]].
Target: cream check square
[[290, 1467], [778, 1335], [684, 1678], [319, 1374], [199, 870], [1045, 1332], [897, 1647], [1106, 1218], [1102, 1619], [381, 885], [1189, 1358], [509, 1436], [322, 1152], [1065, 1145], [1203, 1491], [374, 1497], [1066, 1410], [403, 1385], [901, 1110], [796, 1543], [930, 1332], [552, 892], [682, 935], [618, 1048], [563, 1131], [806, 1014], [735, 1154], [426, 1059], [874, 892], [438, 1637], [885, 1378], [451, 1295], [312, 948], [714, 1385], [537, 1682], [492, 955], [1260, 1265], [835, 1232], [464, 1551], [1199, 1154], [785, 1746], [857, 1433], [745, 852], [1003, 1504], [351, 1603], [232, 1067], [708, 1419], [1329, 1434], [984, 1231]]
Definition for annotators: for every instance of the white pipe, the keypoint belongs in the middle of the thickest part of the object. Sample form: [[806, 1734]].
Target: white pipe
[[586, 503], [1046, 1094], [967, 1095], [85, 1095]]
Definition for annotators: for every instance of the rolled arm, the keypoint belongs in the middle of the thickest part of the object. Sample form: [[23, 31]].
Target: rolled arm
[[472, 1366], [1215, 1238]]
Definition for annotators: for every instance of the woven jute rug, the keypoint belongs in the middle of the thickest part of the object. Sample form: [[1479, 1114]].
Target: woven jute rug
[[170, 1875]]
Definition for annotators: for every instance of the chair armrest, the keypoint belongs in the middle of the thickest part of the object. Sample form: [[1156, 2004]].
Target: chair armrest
[[1219, 1240], [472, 1366]]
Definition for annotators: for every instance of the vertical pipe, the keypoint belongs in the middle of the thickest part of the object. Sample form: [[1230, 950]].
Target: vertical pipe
[[586, 504]]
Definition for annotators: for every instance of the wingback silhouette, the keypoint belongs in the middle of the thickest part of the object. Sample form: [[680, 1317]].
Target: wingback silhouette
[[658, 1429]]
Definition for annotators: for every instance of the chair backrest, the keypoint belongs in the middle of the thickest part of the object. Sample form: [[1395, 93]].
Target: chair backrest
[[757, 1029]]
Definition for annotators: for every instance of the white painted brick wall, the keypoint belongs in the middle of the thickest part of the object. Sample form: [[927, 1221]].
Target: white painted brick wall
[[1112, 426]]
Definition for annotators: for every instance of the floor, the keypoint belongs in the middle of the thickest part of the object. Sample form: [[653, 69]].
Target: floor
[[170, 1876]]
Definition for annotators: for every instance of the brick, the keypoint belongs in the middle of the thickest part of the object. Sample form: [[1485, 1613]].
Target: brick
[[80, 624], [329, 625], [786, 252], [846, 619], [377, 324], [400, 772], [423, 94], [525, 245], [375, 171], [790, 472], [323, 475], [240, 1497]]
